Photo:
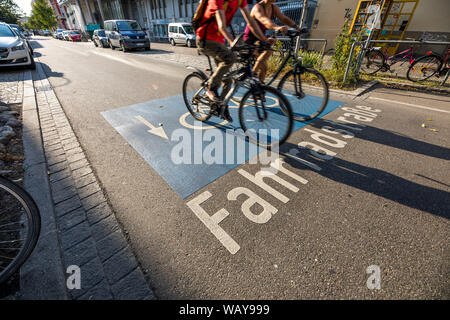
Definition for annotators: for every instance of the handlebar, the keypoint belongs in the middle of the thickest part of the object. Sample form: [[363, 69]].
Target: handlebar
[[262, 46], [292, 33]]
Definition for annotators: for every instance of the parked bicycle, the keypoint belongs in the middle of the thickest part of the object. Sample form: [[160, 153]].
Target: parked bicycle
[[20, 225], [419, 69], [266, 124], [303, 77], [430, 65]]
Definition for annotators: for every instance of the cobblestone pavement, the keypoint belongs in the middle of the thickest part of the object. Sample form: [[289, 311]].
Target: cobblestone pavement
[[11, 87], [90, 236], [88, 233]]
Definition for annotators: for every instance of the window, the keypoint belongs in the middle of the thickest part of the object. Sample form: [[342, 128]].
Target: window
[[128, 26], [5, 31], [188, 28]]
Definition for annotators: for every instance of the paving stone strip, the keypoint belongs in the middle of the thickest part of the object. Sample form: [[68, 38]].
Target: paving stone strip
[[88, 233]]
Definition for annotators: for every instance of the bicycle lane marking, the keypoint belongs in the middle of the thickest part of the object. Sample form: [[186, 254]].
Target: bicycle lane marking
[[409, 104], [323, 144], [171, 114]]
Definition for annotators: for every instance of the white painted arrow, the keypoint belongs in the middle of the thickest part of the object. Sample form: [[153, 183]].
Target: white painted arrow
[[158, 131]]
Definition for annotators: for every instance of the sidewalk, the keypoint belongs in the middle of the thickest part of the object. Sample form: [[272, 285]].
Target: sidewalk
[[78, 226]]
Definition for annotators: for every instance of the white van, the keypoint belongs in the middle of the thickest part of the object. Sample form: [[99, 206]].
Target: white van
[[181, 33]]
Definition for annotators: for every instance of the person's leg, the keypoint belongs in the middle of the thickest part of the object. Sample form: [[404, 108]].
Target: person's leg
[[261, 64], [224, 59]]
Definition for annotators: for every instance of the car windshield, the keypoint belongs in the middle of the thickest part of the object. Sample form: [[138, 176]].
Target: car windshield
[[188, 29], [5, 31], [74, 32], [101, 33], [128, 26]]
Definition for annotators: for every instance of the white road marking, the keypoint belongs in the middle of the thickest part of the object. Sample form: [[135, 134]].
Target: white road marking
[[410, 104], [159, 131]]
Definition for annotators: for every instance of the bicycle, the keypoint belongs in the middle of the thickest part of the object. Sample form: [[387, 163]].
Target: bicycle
[[429, 65], [312, 106], [278, 113], [20, 225], [375, 60]]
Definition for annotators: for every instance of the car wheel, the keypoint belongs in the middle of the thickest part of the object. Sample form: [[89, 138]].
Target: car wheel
[[32, 64], [189, 44], [172, 42]]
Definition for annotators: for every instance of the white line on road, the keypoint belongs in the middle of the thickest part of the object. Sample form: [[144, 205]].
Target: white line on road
[[409, 104]]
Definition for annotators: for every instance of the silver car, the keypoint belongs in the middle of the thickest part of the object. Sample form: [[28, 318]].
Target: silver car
[[14, 50]]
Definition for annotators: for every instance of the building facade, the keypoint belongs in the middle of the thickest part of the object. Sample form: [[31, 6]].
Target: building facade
[[59, 14], [155, 15], [401, 19]]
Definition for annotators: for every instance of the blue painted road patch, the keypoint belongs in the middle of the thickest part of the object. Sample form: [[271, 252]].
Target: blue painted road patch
[[151, 129]]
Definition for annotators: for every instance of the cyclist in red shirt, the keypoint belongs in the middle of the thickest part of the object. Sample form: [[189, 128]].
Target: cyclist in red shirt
[[211, 37]]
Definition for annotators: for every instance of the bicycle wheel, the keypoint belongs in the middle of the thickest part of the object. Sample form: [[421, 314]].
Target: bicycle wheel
[[197, 103], [312, 104], [20, 225], [372, 62], [266, 117], [424, 68]]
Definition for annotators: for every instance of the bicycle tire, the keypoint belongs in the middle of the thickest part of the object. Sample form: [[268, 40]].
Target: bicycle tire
[[33, 230], [378, 66], [314, 112], [286, 109], [186, 98], [421, 59]]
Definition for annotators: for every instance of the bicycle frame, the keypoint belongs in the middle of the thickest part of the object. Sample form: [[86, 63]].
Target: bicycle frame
[[291, 54], [409, 53], [245, 73]]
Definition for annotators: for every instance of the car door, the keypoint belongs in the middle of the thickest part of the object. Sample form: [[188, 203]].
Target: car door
[[181, 35], [114, 34]]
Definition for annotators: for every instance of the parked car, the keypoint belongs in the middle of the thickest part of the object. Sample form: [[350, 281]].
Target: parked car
[[126, 34], [59, 34], [22, 36], [14, 50], [65, 34], [74, 35], [99, 38], [181, 33], [46, 33]]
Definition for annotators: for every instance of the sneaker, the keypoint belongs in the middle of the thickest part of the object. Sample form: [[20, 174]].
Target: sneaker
[[213, 95], [227, 115]]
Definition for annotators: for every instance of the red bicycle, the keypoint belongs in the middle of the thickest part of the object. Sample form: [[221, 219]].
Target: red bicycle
[[430, 65], [375, 60]]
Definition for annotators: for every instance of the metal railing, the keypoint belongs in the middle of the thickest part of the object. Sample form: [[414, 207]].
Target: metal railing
[[286, 43], [363, 52]]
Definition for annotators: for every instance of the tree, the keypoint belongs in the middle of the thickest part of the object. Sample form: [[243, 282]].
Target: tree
[[42, 15], [9, 11]]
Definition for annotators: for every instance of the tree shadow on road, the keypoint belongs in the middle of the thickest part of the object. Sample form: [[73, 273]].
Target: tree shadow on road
[[49, 73]]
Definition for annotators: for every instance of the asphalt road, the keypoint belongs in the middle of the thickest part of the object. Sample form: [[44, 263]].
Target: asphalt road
[[381, 197]]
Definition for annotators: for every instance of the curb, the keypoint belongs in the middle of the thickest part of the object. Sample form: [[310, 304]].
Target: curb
[[41, 277], [79, 227], [417, 87]]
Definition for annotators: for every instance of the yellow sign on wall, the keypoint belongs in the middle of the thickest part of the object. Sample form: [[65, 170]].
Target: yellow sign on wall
[[394, 17]]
